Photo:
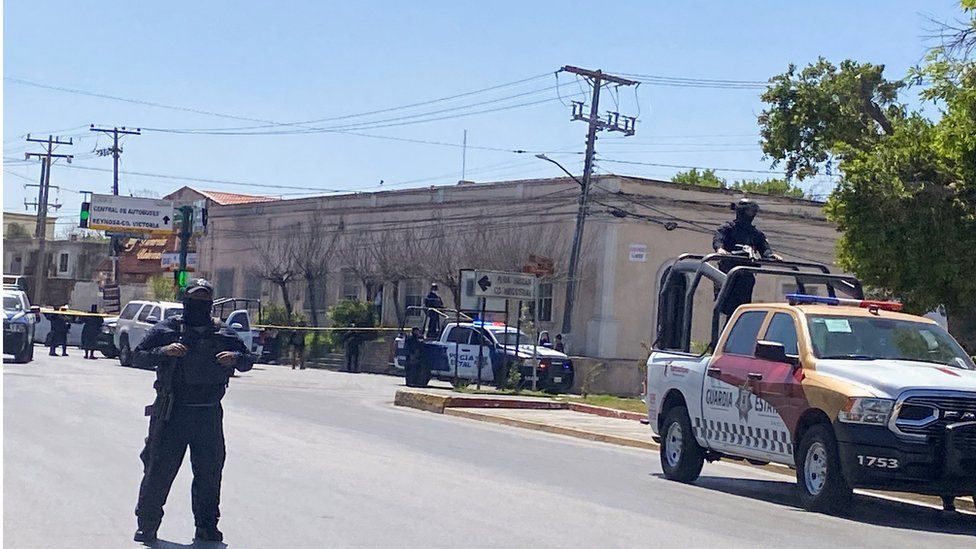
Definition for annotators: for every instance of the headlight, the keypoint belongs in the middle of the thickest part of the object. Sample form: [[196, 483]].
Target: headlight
[[871, 411], [16, 327]]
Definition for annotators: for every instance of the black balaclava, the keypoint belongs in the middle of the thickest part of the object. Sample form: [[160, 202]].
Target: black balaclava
[[196, 312], [745, 212]]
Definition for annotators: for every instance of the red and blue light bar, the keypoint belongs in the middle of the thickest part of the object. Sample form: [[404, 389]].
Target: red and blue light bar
[[803, 299]]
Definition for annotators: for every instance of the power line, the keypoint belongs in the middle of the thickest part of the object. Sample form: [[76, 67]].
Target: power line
[[687, 167]]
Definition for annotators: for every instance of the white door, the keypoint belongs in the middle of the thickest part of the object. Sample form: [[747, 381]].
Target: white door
[[461, 351], [244, 319]]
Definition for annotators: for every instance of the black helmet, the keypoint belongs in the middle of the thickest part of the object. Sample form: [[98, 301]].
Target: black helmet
[[746, 210]]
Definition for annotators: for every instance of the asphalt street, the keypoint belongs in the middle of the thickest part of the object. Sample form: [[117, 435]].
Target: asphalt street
[[323, 459]]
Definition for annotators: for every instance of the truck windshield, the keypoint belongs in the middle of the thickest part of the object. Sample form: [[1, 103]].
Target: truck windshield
[[11, 303], [866, 338], [508, 338]]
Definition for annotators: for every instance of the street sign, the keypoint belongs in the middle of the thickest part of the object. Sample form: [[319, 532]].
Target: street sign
[[170, 261], [518, 286], [112, 298], [127, 214]]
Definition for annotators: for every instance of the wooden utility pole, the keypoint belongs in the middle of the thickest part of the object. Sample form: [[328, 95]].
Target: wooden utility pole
[[597, 79], [44, 189], [115, 151]]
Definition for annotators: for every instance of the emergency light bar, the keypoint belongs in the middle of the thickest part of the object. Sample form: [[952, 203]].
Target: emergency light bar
[[803, 299]]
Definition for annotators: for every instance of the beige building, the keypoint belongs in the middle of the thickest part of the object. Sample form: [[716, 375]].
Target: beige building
[[27, 222], [627, 246]]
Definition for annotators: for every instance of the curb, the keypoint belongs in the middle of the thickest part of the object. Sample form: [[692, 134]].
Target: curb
[[605, 412], [576, 433]]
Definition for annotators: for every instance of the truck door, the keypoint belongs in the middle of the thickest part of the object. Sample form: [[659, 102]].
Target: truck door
[[781, 385], [483, 347], [460, 351]]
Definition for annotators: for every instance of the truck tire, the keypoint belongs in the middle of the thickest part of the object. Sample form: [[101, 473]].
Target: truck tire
[[819, 478], [125, 353], [681, 456], [26, 354]]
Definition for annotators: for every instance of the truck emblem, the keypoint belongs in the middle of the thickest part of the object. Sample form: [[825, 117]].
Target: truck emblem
[[744, 404]]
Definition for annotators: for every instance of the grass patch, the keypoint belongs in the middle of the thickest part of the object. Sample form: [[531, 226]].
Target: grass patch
[[610, 401]]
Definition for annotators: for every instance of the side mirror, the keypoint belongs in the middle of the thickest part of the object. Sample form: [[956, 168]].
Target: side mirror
[[773, 352], [237, 326], [152, 320]]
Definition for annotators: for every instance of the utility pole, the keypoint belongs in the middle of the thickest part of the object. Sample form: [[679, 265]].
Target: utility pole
[[44, 190], [597, 79], [115, 151]]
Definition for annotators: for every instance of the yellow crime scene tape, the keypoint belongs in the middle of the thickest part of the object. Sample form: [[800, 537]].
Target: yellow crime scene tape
[[70, 312], [323, 329]]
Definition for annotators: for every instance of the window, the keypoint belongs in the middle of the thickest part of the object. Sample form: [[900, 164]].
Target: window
[[742, 338], [130, 311], [173, 311], [63, 263], [783, 330], [350, 285], [156, 313], [414, 292], [224, 282], [545, 302], [144, 313], [459, 335], [252, 285]]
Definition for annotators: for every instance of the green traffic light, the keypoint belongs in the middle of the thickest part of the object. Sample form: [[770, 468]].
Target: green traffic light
[[85, 215], [181, 279]]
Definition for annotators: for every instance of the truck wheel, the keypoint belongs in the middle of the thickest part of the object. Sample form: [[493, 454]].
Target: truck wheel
[[125, 353], [818, 473], [25, 355], [681, 456]]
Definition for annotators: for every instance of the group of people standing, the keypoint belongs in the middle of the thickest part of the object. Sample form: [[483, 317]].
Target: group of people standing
[[61, 325]]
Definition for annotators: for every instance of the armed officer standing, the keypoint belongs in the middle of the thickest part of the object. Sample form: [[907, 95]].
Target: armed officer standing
[[737, 233], [194, 359]]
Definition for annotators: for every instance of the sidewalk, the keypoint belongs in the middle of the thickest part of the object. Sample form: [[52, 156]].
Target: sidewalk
[[583, 422]]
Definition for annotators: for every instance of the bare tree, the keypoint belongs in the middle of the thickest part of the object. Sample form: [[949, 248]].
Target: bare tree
[[313, 247], [355, 255], [394, 258], [276, 260]]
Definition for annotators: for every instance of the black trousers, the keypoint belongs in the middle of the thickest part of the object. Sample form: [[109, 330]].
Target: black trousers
[[201, 428]]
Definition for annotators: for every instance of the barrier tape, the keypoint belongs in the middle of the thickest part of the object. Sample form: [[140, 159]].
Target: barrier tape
[[70, 312], [323, 329]]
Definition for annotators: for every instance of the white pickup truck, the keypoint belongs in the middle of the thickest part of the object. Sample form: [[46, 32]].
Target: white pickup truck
[[849, 392], [461, 345]]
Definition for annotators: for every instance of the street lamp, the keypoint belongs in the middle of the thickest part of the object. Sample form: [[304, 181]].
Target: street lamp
[[542, 156]]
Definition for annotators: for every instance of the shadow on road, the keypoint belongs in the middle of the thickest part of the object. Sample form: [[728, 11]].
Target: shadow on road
[[866, 509], [163, 544]]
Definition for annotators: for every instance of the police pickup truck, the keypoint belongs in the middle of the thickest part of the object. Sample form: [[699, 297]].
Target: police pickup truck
[[849, 392], [19, 322], [460, 345]]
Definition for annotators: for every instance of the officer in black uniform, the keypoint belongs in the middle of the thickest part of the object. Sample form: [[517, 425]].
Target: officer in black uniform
[[194, 359], [741, 232], [433, 301]]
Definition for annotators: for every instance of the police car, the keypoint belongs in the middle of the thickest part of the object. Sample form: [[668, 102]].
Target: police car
[[19, 322], [461, 345]]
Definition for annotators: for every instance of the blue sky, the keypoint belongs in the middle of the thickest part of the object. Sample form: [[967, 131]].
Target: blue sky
[[290, 61]]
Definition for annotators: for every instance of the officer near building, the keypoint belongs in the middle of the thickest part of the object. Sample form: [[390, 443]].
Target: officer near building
[[729, 239], [433, 301], [194, 359]]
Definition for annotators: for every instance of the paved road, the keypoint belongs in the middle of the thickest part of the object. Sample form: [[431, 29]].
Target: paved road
[[322, 459]]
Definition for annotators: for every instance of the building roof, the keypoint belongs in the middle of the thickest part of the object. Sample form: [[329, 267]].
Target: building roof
[[223, 198]]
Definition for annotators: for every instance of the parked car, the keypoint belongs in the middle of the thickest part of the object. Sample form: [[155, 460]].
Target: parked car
[[135, 320], [43, 332], [106, 338], [19, 324]]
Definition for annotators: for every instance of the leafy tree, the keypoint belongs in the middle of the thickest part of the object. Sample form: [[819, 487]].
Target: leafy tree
[[162, 288], [704, 178], [771, 187], [905, 202]]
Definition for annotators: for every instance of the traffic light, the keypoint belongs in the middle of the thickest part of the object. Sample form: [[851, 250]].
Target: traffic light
[[181, 279], [85, 214]]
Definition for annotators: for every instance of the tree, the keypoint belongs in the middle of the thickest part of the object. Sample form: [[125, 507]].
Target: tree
[[905, 201], [813, 111], [704, 178], [275, 252], [770, 187], [313, 248]]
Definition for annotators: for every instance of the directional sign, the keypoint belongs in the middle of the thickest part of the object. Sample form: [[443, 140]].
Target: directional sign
[[111, 296], [519, 286], [130, 215], [170, 261]]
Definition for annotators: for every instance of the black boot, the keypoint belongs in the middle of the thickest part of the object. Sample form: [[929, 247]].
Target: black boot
[[145, 534], [208, 533]]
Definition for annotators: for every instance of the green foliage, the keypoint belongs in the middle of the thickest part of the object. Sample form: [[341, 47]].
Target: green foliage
[[277, 315], [162, 288], [352, 312], [515, 377], [771, 187], [704, 178], [813, 111], [907, 201]]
